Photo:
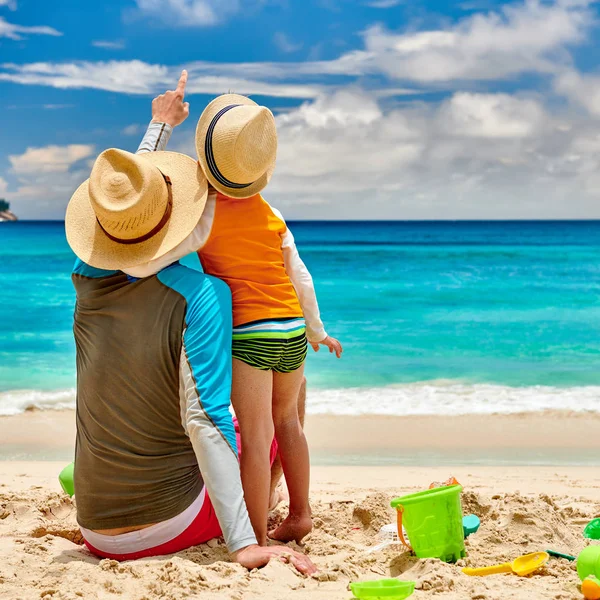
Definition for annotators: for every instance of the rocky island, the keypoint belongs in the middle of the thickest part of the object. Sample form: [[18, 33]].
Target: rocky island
[[5, 213]]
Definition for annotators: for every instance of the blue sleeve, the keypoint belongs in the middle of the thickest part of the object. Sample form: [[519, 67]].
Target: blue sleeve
[[205, 389], [83, 269], [207, 342]]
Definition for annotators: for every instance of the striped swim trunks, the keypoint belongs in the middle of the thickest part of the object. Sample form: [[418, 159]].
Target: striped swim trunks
[[271, 345]]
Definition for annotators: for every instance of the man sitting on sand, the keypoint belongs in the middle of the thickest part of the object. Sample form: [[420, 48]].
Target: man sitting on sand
[[156, 468]]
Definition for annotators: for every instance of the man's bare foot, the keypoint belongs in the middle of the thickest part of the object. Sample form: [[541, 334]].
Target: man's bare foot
[[279, 495], [293, 529]]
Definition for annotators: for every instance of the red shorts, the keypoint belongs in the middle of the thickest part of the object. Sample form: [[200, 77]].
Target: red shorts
[[203, 528]]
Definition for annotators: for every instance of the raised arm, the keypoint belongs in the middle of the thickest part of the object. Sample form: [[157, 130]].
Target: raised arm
[[168, 111]]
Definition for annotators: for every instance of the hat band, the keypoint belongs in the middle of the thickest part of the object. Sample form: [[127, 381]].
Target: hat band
[[156, 229], [210, 157]]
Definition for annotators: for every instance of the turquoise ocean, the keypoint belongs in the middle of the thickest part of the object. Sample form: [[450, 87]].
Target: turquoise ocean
[[435, 317]]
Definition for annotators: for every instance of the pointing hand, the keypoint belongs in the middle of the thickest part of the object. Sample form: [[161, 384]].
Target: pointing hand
[[170, 107]]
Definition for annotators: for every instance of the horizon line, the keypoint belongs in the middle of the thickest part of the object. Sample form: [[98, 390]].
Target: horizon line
[[492, 220]]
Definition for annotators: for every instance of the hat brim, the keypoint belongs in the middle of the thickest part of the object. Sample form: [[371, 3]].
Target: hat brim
[[201, 130], [90, 243]]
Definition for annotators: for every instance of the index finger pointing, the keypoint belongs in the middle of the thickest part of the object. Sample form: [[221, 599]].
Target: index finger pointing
[[182, 82]]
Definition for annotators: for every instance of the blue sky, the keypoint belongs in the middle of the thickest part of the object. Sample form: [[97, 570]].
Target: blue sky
[[385, 108]]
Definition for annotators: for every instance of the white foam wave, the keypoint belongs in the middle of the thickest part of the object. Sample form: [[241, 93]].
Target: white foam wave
[[18, 401], [426, 398], [451, 398]]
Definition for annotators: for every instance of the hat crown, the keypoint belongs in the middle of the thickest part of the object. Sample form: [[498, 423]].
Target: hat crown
[[118, 185], [245, 143], [128, 194]]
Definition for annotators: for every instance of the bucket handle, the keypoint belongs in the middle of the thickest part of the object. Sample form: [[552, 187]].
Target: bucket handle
[[400, 512]]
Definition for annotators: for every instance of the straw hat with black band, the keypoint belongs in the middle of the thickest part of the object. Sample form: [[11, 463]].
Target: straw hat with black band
[[135, 207], [236, 142]]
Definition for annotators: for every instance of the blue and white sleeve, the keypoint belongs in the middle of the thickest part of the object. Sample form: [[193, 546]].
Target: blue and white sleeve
[[205, 389]]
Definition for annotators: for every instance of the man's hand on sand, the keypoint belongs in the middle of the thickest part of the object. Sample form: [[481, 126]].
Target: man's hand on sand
[[170, 107], [254, 557], [331, 343]]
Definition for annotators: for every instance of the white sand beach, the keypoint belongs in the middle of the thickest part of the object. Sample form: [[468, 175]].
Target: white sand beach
[[523, 509]]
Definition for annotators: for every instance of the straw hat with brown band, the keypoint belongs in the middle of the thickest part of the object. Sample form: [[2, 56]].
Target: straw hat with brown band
[[135, 208], [236, 142]]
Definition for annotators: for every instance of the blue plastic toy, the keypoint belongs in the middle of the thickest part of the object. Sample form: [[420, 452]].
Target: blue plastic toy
[[471, 524]]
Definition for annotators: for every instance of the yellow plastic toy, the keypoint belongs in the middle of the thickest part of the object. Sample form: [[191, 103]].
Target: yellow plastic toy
[[522, 566]]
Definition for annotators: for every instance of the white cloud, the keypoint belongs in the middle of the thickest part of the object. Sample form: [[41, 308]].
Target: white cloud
[[107, 45], [352, 152], [10, 4], [46, 178], [583, 90], [192, 13], [13, 32], [470, 156], [520, 38], [38, 106], [220, 84], [283, 42], [531, 37], [134, 77], [138, 77], [348, 154], [133, 129], [181, 12], [491, 116], [49, 159], [384, 3], [57, 106]]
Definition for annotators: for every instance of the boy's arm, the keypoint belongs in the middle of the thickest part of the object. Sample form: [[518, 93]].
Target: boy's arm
[[303, 284]]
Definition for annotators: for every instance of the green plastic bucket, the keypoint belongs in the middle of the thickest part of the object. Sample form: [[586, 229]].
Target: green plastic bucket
[[66, 479], [433, 522], [588, 562]]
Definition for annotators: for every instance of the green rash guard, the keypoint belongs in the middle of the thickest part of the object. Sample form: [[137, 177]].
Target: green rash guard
[[153, 399]]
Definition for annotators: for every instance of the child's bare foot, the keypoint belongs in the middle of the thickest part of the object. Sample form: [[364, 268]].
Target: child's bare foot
[[293, 529], [279, 495]]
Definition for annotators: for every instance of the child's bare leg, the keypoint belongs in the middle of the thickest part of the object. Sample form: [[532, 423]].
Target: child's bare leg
[[293, 450], [276, 495], [251, 396]]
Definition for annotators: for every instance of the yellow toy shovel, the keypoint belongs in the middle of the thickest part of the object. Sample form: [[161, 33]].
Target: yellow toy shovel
[[522, 566]]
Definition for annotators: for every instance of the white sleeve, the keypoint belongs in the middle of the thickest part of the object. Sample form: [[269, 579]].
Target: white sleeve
[[219, 467], [192, 243], [156, 138], [303, 284]]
